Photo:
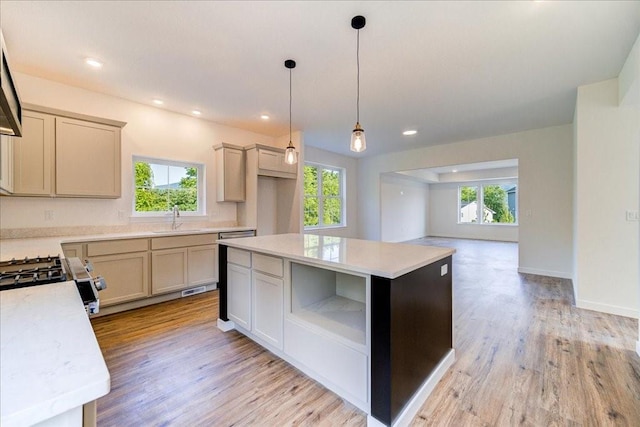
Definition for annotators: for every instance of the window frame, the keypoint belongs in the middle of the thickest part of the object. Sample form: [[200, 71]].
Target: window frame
[[319, 195], [480, 202], [201, 184]]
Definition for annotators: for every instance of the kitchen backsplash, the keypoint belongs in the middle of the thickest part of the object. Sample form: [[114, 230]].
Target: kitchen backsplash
[[25, 233]]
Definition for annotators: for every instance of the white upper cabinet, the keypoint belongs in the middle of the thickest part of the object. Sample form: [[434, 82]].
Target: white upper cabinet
[[271, 163], [230, 173], [66, 154], [87, 159]]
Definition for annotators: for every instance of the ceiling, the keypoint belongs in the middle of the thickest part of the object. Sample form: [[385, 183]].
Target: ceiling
[[493, 170], [451, 70]]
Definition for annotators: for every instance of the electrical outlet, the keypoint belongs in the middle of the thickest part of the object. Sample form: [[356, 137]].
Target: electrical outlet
[[633, 216], [444, 269], [48, 215]]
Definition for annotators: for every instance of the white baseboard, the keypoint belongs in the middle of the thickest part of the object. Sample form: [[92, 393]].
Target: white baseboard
[[413, 406], [226, 325], [549, 273], [607, 308]]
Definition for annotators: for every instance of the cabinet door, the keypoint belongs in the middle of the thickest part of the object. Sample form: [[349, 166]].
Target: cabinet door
[[267, 314], [230, 175], [239, 295], [87, 159], [127, 276], [168, 270], [203, 265], [6, 164], [270, 160], [33, 156]]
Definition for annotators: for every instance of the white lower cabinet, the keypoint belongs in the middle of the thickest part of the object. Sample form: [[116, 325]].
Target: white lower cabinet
[[127, 276], [168, 270], [239, 295], [267, 311], [202, 265], [180, 262]]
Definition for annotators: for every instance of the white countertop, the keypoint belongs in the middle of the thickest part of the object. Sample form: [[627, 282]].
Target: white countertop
[[382, 259], [50, 361], [32, 247]]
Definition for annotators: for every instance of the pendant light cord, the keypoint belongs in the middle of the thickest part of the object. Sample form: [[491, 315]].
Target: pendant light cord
[[358, 79], [290, 100]]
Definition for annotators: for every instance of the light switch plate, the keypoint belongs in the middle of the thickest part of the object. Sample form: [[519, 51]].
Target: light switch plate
[[633, 216], [444, 269]]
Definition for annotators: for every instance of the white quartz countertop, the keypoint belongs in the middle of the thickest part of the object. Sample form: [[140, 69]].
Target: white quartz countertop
[[382, 259], [50, 361], [42, 246]]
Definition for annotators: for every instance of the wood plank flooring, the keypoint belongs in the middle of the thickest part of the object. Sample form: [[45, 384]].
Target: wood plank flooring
[[525, 356]]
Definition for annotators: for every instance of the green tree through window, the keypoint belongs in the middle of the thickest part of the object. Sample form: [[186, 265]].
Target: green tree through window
[[488, 204], [323, 196], [162, 185]]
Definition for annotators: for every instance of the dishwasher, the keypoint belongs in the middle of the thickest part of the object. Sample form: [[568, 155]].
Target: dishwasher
[[236, 234]]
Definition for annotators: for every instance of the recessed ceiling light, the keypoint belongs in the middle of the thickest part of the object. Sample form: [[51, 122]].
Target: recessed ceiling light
[[196, 112], [93, 63], [455, 170], [158, 101], [409, 132], [264, 117]]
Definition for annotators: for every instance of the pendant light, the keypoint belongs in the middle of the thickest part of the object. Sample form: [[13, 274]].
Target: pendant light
[[290, 155], [358, 142]]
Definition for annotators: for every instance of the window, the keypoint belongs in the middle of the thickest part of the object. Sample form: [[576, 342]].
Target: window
[[162, 184], [498, 206], [323, 196]]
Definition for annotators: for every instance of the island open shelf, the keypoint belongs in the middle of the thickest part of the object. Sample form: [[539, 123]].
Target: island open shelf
[[331, 300]]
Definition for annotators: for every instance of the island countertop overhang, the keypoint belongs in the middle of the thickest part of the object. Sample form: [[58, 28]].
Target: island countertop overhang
[[383, 259]]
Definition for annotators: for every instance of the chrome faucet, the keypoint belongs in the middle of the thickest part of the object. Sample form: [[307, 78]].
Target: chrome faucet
[[176, 214]]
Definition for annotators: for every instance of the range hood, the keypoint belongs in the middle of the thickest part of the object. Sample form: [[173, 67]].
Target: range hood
[[10, 105]]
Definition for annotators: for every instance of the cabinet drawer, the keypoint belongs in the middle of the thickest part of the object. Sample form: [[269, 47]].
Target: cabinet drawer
[[109, 247], [183, 241], [238, 256], [268, 264]]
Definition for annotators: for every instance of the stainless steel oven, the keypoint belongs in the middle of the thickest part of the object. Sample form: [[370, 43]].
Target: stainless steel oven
[[21, 273]]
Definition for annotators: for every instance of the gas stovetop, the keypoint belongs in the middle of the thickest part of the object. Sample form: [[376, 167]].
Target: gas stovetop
[[20, 273]]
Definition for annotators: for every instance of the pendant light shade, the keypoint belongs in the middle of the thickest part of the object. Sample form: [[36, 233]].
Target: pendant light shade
[[358, 142], [290, 154]]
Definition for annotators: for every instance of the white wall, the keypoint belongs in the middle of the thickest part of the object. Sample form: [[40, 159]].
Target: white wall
[[545, 199], [443, 218], [350, 165], [607, 151], [149, 131], [629, 78], [404, 205]]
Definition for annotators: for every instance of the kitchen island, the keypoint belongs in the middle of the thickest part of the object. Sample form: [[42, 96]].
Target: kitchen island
[[371, 321], [50, 361]]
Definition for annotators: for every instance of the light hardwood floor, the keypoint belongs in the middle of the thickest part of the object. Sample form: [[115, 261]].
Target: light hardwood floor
[[525, 356]]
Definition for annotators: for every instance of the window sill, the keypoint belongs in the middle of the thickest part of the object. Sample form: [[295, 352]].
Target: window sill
[[497, 224]]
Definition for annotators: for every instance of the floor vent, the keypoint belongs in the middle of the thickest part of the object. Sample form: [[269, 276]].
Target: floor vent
[[193, 291]]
